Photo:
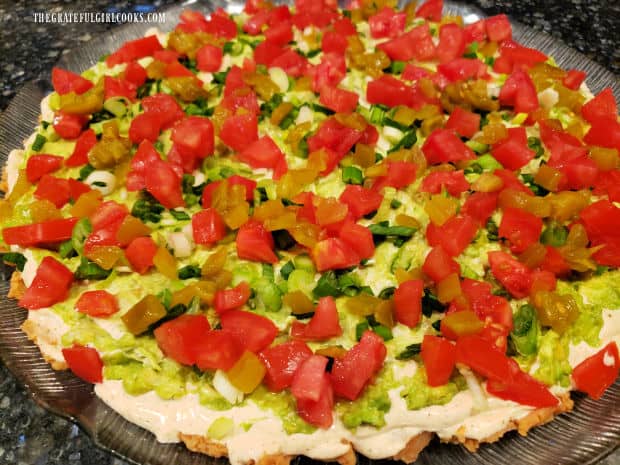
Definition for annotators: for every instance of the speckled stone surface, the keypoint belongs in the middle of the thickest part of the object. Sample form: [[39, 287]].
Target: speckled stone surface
[[28, 434]]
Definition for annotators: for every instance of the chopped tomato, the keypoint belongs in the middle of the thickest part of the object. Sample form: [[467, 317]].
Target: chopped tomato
[[339, 100], [282, 361], [464, 122], [414, 73], [164, 184], [118, 87], [573, 79], [133, 50], [320, 412], [523, 389], [329, 72], [255, 243], [38, 165], [515, 56], [209, 58], [597, 372], [252, 331], [239, 131], [84, 143], [308, 379], [97, 303], [135, 73], [262, 153], [415, 44], [334, 254], [519, 92], [46, 232], [145, 126], [602, 223], [194, 136], [217, 350], [511, 181], [521, 228], [602, 107], [140, 253], [451, 42], [480, 206], [165, 107], [208, 226], [408, 302], [359, 239], [334, 42], [430, 9], [438, 264], [452, 181], [280, 33], [444, 146], [454, 235], [177, 338], [291, 62], [475, 32], [461, 69], [221, 25], [344, 26], [439, 356], [387, 23], [483, 357], [360, 201], [84, 362], [65, 81], [498, 28], [387, 90], [56, 190], [228, 299], [513, 152], [351, 373], [514, 275], [323, 325], [400, 174], [50, 285], [68, 126], [334, 136]]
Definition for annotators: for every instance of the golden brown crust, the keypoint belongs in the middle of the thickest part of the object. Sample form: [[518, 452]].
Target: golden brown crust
[[523, 425], [35, 333], [413, 448], [17, 286], [4, 179], [204, 445], [348, 458]]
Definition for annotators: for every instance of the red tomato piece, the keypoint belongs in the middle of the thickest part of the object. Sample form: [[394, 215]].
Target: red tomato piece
[[351, 373], [262, 153], [523, 389], [415, 44], [68, 126], [480, 206], [334, 136], [194, 136], [192, 21], [334, 42], [359, 239], [554, 262], [400, 175], [319, 413], [329, 72], [464, 122], [333, 254], [498, 28], [514, 275], [430, 9], [221, 25], [38, 165], [387, 90], [344, 26], [118, 87], [519, 92], [208, 227], [444, 146], [228, 299], [133, 50], [462, 69], [291, 62], [601, 107], [65, 81], [266, 52], [239, 131], [521, 228], [454, 235], [483, 357], [99, 304], [282, 361], [177, 338], [511, 181], [165, 107], [438, 264], [108, 214], [209, 58], [84, 143], [135, 73], [452, 181], [217, 350], [145, 126], [439, 356], [46, 232], [408, 302], [515, 56], [308, 379], [50, 285], [164, 184], [323, 325], [252, 331], [414, 73], [475, 32], [513, 152], [387, 23], [176, 69], [166, 56], [280, 33], [360, 201], [338, 100], [56, 190], [597, 372], [451, 42], [255, 243], [140, 253], [84, 362], [602, 223], [573, 79]]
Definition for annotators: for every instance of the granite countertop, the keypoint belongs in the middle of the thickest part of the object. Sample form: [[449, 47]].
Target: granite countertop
[[28, 434]]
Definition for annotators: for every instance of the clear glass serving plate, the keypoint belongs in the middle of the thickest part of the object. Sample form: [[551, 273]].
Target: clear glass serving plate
[[584, 436]]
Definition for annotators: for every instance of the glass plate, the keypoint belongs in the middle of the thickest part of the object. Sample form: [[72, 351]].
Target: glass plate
[[583, 436]]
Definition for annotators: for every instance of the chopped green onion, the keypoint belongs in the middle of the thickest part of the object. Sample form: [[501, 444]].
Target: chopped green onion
[[395, 203], [384, 229], [406, 142], [352, 175], [387, 293], [377, 114], [14, 258], [492, 230], [287, 269], [85, 172], [395, 124], [383, 331], [147, 209], [179, 215], [220, 78], [410, 351], [397, 67], [430, 304], [327, 285], [283, 239], [554, 235], [488, 162], [81, 231], [268, 273], [538, 190], [90, 270], [289, 119], [189, 271], [524, 336], [360, 329], [66, 250], [39, 142], [321, 109]]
